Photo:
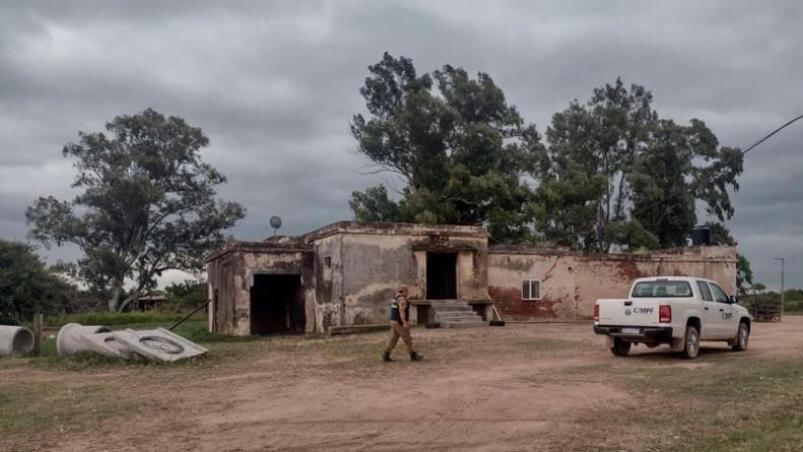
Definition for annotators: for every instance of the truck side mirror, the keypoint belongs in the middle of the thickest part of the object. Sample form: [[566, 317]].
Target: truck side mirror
[[732, 299]]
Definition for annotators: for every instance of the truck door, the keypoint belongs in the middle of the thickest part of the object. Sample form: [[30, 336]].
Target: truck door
[[727, 321], [711, 317]]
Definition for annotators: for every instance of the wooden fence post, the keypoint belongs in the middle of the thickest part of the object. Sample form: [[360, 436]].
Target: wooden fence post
[[38, 326]]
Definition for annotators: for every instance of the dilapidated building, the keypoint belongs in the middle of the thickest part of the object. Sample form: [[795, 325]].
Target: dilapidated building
[[346, 273]]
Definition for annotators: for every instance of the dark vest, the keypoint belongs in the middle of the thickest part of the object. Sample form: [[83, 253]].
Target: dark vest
[[394, 311]]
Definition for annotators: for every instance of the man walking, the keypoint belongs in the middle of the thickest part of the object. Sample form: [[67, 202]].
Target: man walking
[[400, 326]]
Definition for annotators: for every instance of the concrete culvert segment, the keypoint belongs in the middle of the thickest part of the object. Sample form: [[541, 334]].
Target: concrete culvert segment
[[15, 340], [70, 338]]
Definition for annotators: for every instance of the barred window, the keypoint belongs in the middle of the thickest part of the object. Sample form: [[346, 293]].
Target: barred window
[[531, 290]]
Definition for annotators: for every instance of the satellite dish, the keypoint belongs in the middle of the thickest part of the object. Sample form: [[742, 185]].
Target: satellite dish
[[275, 223]]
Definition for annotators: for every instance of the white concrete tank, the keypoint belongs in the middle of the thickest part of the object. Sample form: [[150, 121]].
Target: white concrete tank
[[69, 340], [15, 340]]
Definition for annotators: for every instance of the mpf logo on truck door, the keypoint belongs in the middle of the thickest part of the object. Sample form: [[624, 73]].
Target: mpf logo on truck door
[[629, 311]]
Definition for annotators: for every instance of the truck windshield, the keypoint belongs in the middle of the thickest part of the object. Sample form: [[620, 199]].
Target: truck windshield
[[662, 289]]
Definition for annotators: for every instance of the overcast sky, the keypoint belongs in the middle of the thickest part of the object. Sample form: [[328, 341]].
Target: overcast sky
[[274, 85]]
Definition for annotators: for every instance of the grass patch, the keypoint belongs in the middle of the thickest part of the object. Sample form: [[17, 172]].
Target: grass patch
[[733, 403], [47, 406], [116, 318], [780, 431]]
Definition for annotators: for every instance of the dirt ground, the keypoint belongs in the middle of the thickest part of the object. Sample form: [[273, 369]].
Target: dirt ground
[[520, 387]]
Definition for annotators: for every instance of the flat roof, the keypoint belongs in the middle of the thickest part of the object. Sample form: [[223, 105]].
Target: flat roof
[[355, 227], [291, 245]]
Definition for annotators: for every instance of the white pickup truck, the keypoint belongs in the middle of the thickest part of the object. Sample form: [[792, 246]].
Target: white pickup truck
[[673, 310]]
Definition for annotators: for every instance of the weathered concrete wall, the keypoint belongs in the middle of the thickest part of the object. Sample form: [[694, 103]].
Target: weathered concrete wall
[[231, 276], [571, 283], [328, 306], [376, 263], [374, 266]]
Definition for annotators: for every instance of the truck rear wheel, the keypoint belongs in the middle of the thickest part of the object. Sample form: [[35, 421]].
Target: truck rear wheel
[[742, 336], [691, 342], [620, 347]]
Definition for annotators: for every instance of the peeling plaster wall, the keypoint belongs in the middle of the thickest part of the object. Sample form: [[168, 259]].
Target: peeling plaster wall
[[328, 307], [232, 275], [571, 283], [374, 266]]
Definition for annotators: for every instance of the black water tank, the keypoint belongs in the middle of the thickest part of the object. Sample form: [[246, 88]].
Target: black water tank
[[701, 236]]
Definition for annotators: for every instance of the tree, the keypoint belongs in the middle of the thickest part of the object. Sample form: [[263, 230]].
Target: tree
[[374, 206], [721, 235], [146, 205], [759, 288], [744, 274], [27, 286], [618, 174], [462, 151]]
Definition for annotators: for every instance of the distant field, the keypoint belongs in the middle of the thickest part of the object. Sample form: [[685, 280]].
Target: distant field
[[521, 387]]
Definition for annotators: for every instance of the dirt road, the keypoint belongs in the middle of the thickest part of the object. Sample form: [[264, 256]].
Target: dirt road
[[521, 387]]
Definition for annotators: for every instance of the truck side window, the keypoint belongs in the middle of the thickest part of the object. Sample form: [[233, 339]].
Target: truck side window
[[719, 295], [705, 291]]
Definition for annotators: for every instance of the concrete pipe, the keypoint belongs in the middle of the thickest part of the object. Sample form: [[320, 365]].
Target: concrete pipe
[[69, 340], [15, 340]]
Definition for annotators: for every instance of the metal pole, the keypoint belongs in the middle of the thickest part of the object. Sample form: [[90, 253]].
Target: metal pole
[[189, 315], [782, 288]]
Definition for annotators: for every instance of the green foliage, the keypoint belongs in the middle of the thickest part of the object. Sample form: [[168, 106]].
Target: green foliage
[[793, 298], [744, 274], [374, 205], [115, 318], [147, 204], [616, 173], [187, 294], [461, 149], [721, 235], [27, 286]]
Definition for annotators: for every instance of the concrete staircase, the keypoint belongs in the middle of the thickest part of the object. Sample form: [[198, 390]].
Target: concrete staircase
[[455, 314]]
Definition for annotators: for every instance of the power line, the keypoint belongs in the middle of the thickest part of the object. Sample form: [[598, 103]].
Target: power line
[[749, 148]]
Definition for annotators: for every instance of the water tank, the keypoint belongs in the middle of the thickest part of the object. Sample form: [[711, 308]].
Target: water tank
[[701, 236]]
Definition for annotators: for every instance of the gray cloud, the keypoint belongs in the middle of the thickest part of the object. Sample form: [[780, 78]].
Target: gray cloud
[[274, 85]]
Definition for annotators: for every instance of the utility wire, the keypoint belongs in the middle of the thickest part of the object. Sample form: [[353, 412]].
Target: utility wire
[[749, 148], [667, 198]]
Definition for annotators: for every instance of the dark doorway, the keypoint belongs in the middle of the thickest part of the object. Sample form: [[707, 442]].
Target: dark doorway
[[441, 276], [277, 304]]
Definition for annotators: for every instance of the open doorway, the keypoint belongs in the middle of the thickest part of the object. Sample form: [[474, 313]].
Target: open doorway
[[277, 304], [441, 276]]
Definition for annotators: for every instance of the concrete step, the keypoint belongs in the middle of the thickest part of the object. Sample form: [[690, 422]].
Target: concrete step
[[463, 324], [456, 312], [458, 319], [456, 316], [463, 308]]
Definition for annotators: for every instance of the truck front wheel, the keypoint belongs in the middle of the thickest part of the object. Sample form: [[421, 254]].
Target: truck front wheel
[[620, 347], [691, 342]]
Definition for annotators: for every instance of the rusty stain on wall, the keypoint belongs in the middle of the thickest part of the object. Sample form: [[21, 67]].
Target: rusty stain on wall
[[572, 282]]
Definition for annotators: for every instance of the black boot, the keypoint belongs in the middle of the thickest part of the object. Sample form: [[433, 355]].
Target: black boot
[[414, 356], [386, 357]]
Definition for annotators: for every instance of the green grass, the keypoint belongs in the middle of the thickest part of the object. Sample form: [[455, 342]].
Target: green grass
[[116, 318], [730, 402], [780, 431], [38, 406]]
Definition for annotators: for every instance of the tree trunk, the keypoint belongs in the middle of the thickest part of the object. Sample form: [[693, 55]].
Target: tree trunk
[[128, 301], [114, 301]]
